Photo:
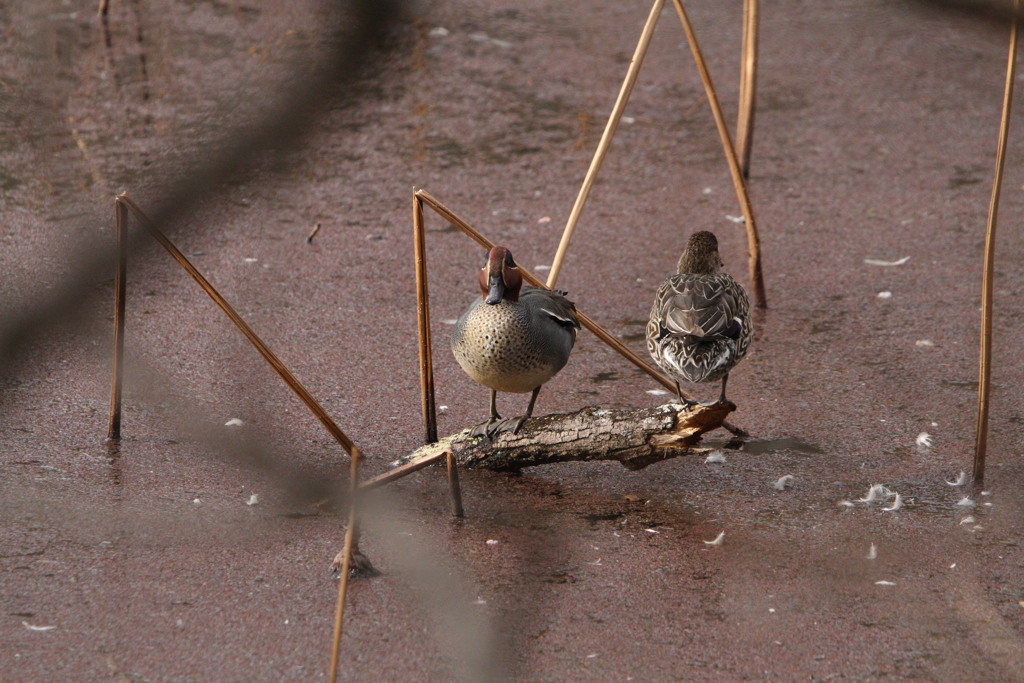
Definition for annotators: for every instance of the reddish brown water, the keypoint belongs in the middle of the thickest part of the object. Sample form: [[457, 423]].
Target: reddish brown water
[[875, 137]]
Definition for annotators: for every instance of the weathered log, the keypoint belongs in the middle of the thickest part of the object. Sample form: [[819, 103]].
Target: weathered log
[[635, 438]]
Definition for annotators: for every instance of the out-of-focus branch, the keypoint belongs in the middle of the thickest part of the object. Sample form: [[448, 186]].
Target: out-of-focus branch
[[356, 44]]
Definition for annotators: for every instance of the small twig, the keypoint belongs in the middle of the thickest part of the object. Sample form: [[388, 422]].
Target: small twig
[[606, 139], [748, 86], [350, 538], [120, 281], [693, 107], [985, 367], [316, 229], [584, 319], [753, 241], [104, 8]]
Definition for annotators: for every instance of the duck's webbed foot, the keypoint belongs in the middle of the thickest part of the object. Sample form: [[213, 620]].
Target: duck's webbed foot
[[487, 429], [510, 424]]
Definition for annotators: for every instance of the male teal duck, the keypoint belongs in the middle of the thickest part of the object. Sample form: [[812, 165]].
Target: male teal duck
[[513, 338], [700, 325]]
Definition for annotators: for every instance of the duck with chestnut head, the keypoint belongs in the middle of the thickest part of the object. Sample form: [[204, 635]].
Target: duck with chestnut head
[[513, 338], [700, 325]]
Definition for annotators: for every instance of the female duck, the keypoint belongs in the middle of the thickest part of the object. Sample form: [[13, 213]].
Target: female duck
[[513, 338], [700, 324]]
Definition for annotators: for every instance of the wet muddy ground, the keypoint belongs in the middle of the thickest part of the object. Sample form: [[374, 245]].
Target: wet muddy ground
[[875, 137]]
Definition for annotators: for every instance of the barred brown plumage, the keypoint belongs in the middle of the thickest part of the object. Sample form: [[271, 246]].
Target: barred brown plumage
[[700, 326]]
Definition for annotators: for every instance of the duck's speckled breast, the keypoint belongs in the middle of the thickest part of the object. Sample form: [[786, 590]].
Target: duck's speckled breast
[[498, 346]]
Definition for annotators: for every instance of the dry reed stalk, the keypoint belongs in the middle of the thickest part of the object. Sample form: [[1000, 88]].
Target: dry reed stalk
[[124, 202], [584, 319], [606, 139], [264, 350], [396, 473], [753, 241], [427, 400], [408, 468], [120, 283], [985, 367], [748, 86], [454, 489], [350, 540]]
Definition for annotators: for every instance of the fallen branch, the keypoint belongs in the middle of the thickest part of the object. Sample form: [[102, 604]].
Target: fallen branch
[[635, 438]]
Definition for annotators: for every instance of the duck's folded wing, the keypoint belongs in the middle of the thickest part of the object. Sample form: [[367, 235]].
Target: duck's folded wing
[[553, 304], [701, 306]]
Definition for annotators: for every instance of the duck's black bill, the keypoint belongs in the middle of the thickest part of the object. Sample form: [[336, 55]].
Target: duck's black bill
[[495, 290]]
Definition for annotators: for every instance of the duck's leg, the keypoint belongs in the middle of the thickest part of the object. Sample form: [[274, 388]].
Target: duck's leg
[[682, 399], [721, 396], [484, 428], [513, 424]]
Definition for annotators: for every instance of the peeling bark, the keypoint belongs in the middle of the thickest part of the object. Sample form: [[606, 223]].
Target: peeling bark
[[635, 438]]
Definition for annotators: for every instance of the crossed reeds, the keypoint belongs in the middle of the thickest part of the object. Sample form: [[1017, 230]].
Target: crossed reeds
[[738, 162], [124, 205], [745, 131]]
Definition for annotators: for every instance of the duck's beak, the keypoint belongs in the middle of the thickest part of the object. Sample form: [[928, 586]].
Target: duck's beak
[[499, 278], [495, 276], [495, 289]]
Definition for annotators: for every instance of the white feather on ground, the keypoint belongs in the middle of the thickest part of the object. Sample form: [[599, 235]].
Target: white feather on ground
[[896, 504], [715, 456], [782, 482], [30, 627], [875, 493], [879, 262], [924, 440], [719, 539], [872, 552], [959, 481]]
